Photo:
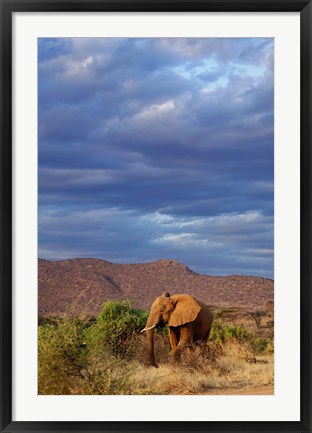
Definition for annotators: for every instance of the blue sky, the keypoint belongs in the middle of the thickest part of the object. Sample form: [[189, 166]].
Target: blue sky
[[158, 149]]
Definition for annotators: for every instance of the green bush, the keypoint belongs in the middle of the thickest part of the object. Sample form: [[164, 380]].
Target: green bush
[[261, 345], [62, 355], [221, 333], [116, 323], [81, 357]]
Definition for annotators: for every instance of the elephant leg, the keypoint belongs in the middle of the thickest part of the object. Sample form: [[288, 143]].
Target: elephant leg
[[186, 338], [173, 340], [206, 338], [174, 335]]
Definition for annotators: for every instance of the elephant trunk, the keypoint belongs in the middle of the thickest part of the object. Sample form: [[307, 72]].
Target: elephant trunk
[[150, 347], [149, 328]]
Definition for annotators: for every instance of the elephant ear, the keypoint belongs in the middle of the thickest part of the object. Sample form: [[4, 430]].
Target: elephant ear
[[185, 311]]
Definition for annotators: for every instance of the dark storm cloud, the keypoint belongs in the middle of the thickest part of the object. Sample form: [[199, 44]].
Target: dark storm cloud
[[137, 133], [50, 48]]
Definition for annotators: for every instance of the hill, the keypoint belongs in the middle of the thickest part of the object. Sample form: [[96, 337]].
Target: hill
[[79, 287]]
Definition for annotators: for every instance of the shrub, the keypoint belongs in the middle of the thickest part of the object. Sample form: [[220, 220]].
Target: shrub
[[62, 355], [261, 345], [257, 316], [221, 333], [117, 323], [74, 358]]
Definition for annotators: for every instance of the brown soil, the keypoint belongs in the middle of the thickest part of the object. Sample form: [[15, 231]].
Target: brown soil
[[256, 390]]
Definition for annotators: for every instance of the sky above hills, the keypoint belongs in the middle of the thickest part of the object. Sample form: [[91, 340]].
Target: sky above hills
[[158, 149]]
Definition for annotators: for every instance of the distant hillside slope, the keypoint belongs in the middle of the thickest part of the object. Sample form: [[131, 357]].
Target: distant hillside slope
[[80, 286]]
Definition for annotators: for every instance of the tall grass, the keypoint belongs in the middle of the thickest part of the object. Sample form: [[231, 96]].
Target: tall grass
[[108, 356]]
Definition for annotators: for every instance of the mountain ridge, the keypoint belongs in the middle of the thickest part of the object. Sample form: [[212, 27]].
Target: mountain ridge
[[79, 287]]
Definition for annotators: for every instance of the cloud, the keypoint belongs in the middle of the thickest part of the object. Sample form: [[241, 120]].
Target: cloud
[[123, 236], [176, 129]]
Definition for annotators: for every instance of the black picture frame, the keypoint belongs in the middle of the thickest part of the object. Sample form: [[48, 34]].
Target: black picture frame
[[8, 7]]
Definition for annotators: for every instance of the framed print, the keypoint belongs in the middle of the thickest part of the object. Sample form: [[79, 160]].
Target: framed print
[[155, 216]]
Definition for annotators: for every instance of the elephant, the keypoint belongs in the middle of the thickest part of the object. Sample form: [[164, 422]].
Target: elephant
[[188, 319]]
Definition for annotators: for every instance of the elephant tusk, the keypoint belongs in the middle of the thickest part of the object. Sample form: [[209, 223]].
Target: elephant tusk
[[146, 329]]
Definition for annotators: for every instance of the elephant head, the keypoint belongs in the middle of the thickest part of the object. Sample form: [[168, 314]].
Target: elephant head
[[175, 311]]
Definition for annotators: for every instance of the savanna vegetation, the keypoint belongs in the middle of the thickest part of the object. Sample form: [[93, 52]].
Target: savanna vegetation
[[107, 355]]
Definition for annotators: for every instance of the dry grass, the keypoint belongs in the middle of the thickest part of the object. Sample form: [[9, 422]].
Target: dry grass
[[202, 373], [231, 369]]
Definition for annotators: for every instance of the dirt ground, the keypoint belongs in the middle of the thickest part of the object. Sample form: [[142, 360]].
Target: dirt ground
[[256, 390]]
